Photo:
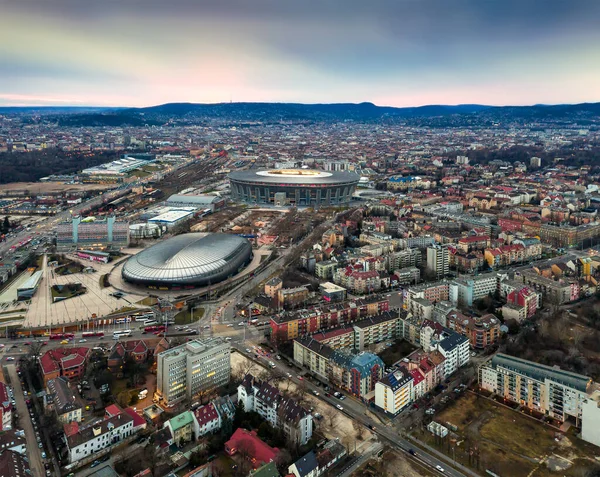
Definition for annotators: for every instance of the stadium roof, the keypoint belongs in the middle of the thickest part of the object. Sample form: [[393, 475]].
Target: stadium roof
[[294, 176], [190, 259]]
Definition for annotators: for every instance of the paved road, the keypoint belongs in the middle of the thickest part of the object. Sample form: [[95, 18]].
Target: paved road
[[360, 460], [33, 452]]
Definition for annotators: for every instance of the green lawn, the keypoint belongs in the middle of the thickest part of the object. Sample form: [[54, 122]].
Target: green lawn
[[185, 317], [139, 173]]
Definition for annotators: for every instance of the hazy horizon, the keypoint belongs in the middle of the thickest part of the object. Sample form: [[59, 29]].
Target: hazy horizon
[[400, 53]]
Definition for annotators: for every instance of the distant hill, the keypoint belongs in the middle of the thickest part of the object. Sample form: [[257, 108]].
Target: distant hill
[[249, 113], [298, 110]]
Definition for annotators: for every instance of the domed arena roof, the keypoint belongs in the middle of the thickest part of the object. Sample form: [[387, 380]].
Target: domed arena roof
[[193, 259]]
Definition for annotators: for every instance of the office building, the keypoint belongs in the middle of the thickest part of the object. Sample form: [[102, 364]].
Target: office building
[[192, 369], [92, 234]]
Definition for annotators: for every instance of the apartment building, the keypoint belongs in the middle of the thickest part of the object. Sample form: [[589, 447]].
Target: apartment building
[[410, 257], [522, 303], [553, 291], [422, 241], [61, 396], [289, 325], [358, 281], [375, 329], [87, 440], [292, 297], [473, 242], [394, 392], [549, 390], [434, 292], [92, 234], [406, 276], [455, 349], [354, 373], [192, 369], [5, 408], [281, 412], [453, 346], [564, 236], [438, 260], [273, 286], [325, 269], [481, 331], [464, 291]]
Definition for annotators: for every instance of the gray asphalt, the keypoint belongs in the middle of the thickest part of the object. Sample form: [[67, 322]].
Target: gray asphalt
[[33, 452]]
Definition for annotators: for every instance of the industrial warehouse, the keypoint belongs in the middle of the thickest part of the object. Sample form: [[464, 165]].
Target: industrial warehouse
[[293, 187], [188, 261]]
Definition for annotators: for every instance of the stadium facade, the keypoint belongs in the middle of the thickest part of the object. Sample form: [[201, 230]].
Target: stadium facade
[[296, 187], [189, 261]]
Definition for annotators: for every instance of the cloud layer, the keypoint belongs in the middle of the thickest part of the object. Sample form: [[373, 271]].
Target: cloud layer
[[391, 52]]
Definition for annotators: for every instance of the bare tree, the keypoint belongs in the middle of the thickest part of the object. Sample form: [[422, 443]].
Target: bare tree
[[358, 429], [331, 417]]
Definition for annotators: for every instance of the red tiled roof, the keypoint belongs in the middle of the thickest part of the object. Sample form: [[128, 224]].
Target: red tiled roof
[[53, 359], [72, 361], [259, 451], [417, 376], [4, 398], [112, 410], [137, 419], [71, 428], [206, 414]]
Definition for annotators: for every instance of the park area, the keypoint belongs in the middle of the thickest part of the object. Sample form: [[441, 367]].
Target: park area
[[489, 436]]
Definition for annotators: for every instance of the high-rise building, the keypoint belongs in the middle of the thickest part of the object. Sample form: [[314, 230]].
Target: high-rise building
[[193, 369], [92, 234], [438, 260]]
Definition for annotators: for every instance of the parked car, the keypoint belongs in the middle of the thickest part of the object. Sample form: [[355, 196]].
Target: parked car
[[316, 393], [339, 407]]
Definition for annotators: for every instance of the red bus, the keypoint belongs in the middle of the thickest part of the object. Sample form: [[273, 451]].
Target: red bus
[[92, 334], [62, 336], [150, 329]]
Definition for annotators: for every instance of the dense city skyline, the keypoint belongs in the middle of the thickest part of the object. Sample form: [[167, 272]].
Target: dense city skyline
[[400, 53]]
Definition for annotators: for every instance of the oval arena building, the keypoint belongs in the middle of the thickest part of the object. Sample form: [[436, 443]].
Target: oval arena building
[[189, 261], [297, 187]]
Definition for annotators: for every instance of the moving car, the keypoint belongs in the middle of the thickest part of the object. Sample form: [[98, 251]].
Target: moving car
[[440, 468], [339, 407]]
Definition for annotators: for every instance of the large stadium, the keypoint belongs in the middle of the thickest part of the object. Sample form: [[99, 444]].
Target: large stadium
[[297, 187], [189, 261]]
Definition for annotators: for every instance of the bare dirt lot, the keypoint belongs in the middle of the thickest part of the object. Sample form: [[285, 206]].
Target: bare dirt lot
[[48, 187], [334, 423], [392, 464], [507, 442]]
